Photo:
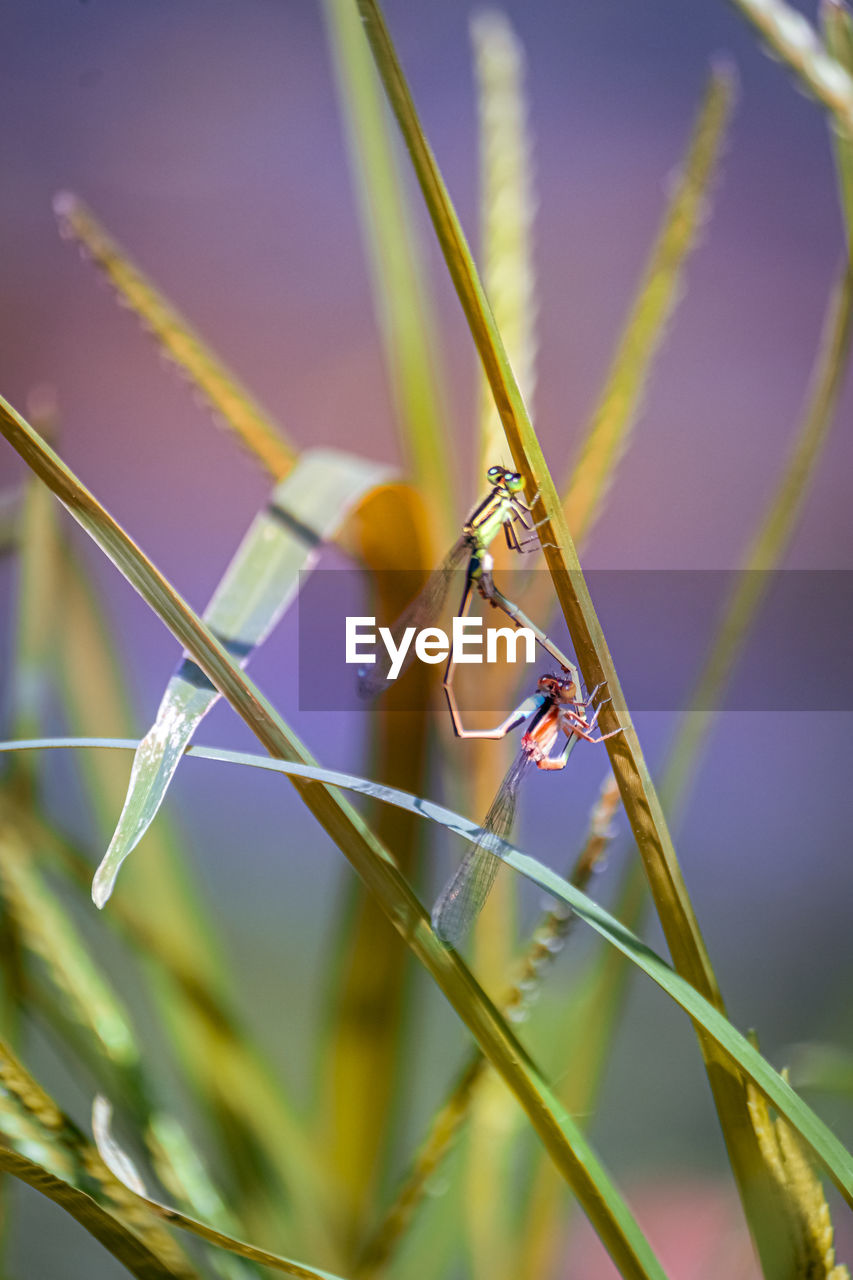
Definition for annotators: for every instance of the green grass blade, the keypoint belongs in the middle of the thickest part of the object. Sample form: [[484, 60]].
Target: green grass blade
[[231, 403], [605, 985], [507, 203], [837, 24], [572, 1154], [827, 1149], [123, 1169], [125, 1247], [39, 1140], [261, 582], [641, 802], [275, 1171], [791, 37], [90, 1007], [401, 298]]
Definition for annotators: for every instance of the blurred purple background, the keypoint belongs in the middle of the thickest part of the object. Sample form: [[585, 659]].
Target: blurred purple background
[[207, 137]]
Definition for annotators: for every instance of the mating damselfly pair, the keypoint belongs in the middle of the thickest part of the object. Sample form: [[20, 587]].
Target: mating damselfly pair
[[557, 709]]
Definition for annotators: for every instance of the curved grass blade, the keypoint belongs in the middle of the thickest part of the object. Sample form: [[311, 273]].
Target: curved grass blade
[[642, 806], [261, 1134], [826, 1147], [401, 298], [49, 933], [463, 897], [91, 1005], [125, 1247], [64, 1165], [123, 1169], [572, 1154], [304, 511], [231, 402], [790, 36], [507, 204]]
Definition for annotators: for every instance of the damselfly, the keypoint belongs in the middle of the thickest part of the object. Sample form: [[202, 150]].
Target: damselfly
[[556, 709], [504, 509]]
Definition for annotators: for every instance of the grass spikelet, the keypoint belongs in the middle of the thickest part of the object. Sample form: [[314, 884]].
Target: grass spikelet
[[792, 38], [231, 403], [608, 434], [837, 24], [770, 541], [809, 1218], [402, 300], [507, 204]]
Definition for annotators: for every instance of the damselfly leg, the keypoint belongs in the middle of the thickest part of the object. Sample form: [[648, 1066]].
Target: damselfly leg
[[556, 709]]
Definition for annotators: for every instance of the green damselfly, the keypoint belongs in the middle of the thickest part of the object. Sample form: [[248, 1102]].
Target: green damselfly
[[501, 509]]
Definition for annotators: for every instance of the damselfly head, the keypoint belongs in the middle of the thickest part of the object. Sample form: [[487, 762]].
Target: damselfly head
[[558, 688], [509, 480]]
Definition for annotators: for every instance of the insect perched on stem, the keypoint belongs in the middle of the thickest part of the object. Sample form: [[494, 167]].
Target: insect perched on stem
[[503, 508], [556, 709]]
